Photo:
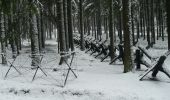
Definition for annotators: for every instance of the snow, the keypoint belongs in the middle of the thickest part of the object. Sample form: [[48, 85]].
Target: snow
[[96, 80]]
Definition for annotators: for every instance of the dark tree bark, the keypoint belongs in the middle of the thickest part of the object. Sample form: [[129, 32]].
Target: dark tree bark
[[133, 26], [106, 27], [94, 24], [120, 26], [34, 40], [148, 22], [111, 29], [126, 26], [82, 46], [70, 24], [61, 32], [2, 34], [39, 31], [99, 28], [12, 32], [152, 22], [42, 30], [168, 21], [66, 24]]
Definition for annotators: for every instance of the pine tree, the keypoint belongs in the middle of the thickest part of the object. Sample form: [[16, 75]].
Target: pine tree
[[82, 47], [111, 29], [61, 32], [127, 41], [168, 21], [2, 34], [34, 35], [70, 26], [99, 27]]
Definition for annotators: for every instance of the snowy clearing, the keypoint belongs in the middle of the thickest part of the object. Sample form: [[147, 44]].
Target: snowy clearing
[[96, 80]]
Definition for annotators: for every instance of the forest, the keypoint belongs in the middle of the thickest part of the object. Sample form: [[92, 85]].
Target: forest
[[129, 37]]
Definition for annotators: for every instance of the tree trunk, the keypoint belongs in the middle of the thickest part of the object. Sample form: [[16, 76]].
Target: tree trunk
[[168, 21], [88, 26], [42, 30], [82, 46], [6, 29], [99, 28], [148, 22], [70, 24], [111, 29], [106, 27], [34, 40], [127, 47], [39, 31], [133, 28], [2, 33], [66, 24], [12, 33], [61, 32], [94, 24], [152, 22], [120, 26]]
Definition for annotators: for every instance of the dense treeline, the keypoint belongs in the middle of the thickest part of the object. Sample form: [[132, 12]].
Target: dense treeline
[[122, 20]]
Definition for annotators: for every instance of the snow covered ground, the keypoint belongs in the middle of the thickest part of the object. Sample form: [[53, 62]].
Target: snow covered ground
[[96, 80]]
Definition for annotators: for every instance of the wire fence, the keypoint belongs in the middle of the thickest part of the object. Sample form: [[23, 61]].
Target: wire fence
[[50, 65]]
